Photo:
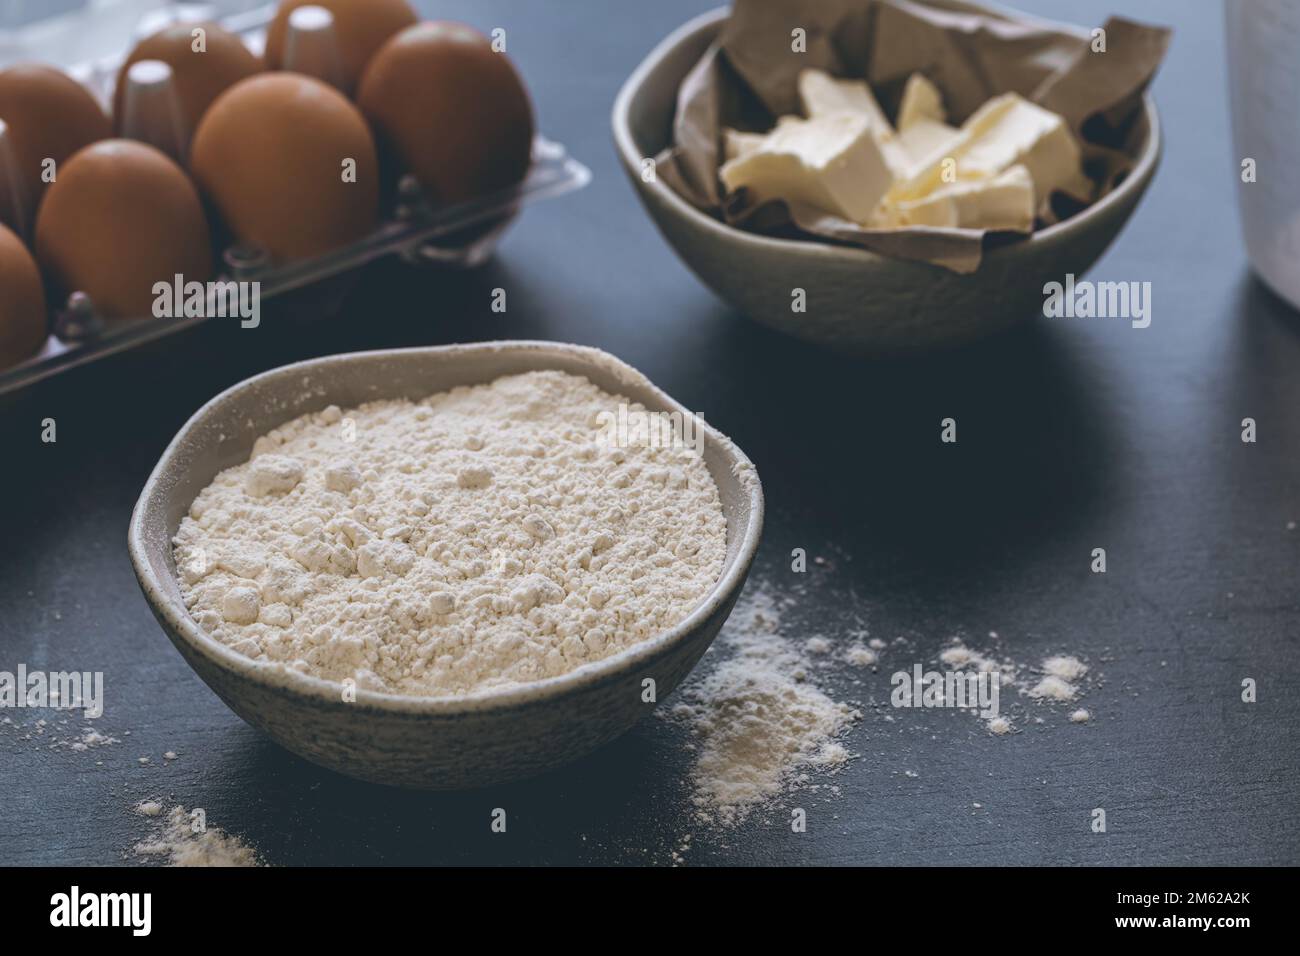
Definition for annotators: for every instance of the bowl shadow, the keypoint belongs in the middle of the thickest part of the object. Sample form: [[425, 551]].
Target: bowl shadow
[[302, 814]]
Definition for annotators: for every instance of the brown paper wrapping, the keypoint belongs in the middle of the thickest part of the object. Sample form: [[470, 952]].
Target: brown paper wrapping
[[748, 78]]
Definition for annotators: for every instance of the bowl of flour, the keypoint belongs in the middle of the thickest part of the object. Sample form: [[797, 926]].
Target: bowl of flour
[[446, 567]]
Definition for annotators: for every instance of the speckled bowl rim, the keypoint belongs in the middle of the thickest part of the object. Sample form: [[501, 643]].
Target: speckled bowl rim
[[632, 158], [280, 679]]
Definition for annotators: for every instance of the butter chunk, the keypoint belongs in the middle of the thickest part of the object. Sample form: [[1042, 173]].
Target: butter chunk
[[937, 209], [1004, 202], [822, 94], [922, 102], [1007, 131], [926, 140], [739, 143], [1007, 201], [833, 162], [1014, 131]]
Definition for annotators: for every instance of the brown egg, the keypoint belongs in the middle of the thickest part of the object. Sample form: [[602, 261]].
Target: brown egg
[[22, 302], [50, 116], [454, 112], [121, 217], [360, 28], [199, 77], [273, 154], [13, 209]]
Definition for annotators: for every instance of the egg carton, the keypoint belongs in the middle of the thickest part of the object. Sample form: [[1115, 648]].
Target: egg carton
[[459, 236]]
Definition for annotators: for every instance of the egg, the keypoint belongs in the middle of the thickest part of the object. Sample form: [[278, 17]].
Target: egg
[[49, 116], [13, 211], [360, 28], [290, 165], [199, 76], [452, 110], [22, 302], [121, 217]]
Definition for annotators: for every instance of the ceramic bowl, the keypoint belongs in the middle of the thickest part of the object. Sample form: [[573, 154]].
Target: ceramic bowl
[[857, 300], [426, 742]]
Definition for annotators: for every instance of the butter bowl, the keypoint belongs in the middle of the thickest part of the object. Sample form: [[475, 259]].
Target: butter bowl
[[855, 300], [449, 742]]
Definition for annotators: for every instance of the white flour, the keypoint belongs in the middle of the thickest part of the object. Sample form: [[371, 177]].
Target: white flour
[[758, 719], [56, 733], [1053, 688], [92, 738], [181, 842], [481, 537], [1060, 678], [1065, 667]]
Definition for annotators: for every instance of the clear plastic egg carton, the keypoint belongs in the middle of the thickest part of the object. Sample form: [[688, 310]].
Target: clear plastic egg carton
[[459, 236]]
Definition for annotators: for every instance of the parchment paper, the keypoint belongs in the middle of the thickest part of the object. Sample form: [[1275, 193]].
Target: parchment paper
[[747, 79]]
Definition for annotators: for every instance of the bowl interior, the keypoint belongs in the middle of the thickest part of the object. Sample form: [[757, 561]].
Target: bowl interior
[[221, 435]]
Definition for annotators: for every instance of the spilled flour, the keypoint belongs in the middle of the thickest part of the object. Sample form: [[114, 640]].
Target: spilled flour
[[183, 841], [57, 733], [1056, 679], [759, 722], [1061, 676]]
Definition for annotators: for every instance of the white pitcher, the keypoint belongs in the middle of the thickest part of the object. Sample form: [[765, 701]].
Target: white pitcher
[[1264, 82]]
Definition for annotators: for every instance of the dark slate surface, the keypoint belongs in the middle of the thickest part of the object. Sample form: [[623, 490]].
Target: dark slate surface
[[1073, 435]]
